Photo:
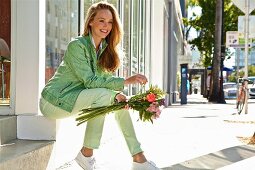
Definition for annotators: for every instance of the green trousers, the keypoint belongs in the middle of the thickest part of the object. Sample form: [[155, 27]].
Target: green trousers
[[95, 98]]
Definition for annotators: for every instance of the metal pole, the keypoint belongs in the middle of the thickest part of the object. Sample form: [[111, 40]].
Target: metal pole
[[237, 72], [247, 6], [3, 83]]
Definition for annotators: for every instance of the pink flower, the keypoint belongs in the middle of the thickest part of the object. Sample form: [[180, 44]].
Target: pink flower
[[154, 108], [156, 115], [151, 97]]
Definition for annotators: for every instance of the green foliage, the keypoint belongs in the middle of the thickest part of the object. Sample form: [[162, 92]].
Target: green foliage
[[143, 93], [147, 103], [251, 72], [232, 77], [204, 24], [178, 77]]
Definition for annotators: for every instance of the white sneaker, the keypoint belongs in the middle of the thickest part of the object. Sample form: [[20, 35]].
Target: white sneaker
[[149, 165], [87, 163]]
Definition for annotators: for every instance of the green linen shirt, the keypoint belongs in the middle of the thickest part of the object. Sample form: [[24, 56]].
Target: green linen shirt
[[79, 71]]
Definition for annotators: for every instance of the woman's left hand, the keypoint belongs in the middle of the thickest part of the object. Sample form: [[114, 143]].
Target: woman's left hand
[[121, 97]]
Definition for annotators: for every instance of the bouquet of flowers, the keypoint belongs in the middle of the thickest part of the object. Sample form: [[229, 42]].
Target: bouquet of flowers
[[149, 105]]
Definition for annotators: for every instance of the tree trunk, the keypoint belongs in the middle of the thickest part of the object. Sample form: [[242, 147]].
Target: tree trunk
[[214, 91]]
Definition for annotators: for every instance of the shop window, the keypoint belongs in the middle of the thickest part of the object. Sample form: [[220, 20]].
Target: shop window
[[61, 27], [124, 70], [5, 54], [132, 13], [137, 40], [142, 37]]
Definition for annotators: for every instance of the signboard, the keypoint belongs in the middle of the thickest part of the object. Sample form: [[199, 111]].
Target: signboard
[[235, 39], [241, 45], [241, 21], [241, 5], [232, 38]]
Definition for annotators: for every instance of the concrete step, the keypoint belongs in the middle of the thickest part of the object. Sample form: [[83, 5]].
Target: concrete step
[[244, 164], [26, 155], [8, 129]]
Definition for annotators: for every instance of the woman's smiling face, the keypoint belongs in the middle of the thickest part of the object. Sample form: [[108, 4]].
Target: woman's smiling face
[[101, 25]]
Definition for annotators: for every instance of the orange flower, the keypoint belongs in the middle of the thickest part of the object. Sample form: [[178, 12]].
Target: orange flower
[[151, 97]]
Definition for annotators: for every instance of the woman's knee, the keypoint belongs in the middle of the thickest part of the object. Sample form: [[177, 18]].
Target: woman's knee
[[52, 112], [106, 93], [104, 96]]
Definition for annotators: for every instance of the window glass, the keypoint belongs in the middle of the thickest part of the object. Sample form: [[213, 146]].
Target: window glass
[[5, 68], [61, 27], [134, 42], [141, 42], [132, 13], [114, 2], [124, 70], [5, 53]]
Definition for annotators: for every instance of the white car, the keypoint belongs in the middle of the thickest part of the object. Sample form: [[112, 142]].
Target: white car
[[230, 90], [251, 86]]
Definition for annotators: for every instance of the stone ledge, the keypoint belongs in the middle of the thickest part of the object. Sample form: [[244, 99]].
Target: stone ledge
[[8, 129], [26, 154]]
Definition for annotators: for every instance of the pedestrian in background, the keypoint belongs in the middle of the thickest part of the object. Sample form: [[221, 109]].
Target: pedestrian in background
[[208, 83], [85, 79]]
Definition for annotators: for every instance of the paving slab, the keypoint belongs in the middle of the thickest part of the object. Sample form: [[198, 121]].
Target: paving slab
[[198, 135], [229, 156]]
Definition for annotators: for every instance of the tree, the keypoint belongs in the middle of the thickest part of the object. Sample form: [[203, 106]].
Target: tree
[[214, 95], [205, 26]]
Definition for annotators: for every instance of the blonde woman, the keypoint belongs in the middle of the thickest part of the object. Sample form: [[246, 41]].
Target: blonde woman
[[84, 79]]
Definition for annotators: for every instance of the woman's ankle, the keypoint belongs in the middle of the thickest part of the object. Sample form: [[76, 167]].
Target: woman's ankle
[[87, 152], [139, 158]]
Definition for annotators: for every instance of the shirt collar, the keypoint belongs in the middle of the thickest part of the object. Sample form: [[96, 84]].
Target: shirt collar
[[100, 45]]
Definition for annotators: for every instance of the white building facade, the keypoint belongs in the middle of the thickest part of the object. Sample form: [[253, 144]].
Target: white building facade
[[40, 31]]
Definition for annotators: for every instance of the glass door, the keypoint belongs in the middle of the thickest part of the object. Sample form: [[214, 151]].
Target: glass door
[[5, 54], [61, 26]]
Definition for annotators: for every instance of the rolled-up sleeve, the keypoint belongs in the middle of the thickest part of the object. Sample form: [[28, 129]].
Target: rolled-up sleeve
[[81, 64]]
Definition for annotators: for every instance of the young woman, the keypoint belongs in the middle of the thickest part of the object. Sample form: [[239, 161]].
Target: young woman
[[84, 79]]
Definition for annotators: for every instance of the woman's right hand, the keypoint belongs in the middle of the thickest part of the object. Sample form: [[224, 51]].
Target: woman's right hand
[[138, 78]]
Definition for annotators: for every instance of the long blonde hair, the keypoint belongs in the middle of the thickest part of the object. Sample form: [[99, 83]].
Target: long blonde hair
[[109, 61]]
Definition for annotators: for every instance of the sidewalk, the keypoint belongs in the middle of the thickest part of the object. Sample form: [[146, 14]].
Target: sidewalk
[[198, 135]]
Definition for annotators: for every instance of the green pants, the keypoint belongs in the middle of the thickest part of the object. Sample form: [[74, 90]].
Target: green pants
[[95, 98]]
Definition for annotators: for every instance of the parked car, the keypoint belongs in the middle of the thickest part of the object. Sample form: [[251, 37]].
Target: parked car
[[251, 86], [230, 90]]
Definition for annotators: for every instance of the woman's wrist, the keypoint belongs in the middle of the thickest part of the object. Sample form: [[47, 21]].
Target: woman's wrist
[[125, 82]]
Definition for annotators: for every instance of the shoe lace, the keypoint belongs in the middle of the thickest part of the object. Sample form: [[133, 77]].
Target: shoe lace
[[92, 161], [153, 164]]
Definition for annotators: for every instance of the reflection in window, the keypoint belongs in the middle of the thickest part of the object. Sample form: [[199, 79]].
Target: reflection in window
[[134, 42], [142, 37], [125, 67], [132, 14], [5, 58], [61, 27]]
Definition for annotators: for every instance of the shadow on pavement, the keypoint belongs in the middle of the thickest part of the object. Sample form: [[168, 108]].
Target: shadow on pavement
[[199, 116], [217, 159]]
